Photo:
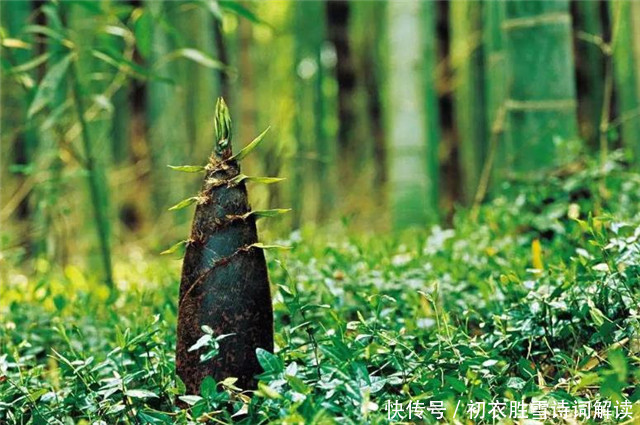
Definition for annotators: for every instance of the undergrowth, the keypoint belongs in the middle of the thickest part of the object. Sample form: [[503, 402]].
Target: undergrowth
[[536, 299]]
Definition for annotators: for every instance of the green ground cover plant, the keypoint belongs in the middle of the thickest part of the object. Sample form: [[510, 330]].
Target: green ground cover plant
[[533, 296]]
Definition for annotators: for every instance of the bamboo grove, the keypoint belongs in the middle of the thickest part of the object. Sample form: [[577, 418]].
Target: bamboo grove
[[384, 114]]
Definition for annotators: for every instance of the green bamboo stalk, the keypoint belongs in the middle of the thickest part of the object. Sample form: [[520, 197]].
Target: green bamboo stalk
[[198, 83], [413, 176], [302, 125], [94, 176], [635, 19], [165, 109], [541, 93], [95, 133], [338, 18], [494, 80], [368, 15], [15, 101], [467, 64], [46, 156], [313, 147], [588, 27], [626, 76], [326, 153]]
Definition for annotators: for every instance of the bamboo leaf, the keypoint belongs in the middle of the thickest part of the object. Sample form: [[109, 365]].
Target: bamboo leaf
[[250, 147], [188, 168], [194, 55], [15, 43], [46, 31], [174, 247], [264, 180], [33, 63], [48, 86], [184, 203], [240, 10], [214, 8]]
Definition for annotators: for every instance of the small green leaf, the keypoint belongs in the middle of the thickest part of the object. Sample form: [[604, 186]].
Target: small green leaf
[[269, 361], [208, 387], [184, 203], [174, 247], [251, 146], [190, 399], [188, 168], [48, 86], [264, 180], [267, 392], [202, 342], [140, 394]]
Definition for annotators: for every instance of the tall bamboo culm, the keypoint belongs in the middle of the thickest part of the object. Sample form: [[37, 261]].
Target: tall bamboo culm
[[494, 88], [15, 102], [165, 108], [541, 92], [467, 64], [311, 110], [94, 132], [591, 64], [625, 70], [412, 170]]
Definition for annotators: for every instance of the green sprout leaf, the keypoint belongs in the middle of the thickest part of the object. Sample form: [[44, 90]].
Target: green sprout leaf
[[188, 168], [174, 247], [250, 147], [185, 203], [264, 180], [266, 213], [271, 246]]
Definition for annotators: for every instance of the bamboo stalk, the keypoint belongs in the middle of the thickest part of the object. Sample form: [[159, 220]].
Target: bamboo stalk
[[412, 175], [198, 83], [541, 93], [372, 70], [338, 16], [93, 177], [626, 77], [15, 105], [326, 153], [467, 64], [591, 65], [494, 86], [165, 111]]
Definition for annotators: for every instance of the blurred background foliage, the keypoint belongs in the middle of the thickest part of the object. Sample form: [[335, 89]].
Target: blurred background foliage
[[384, 115]]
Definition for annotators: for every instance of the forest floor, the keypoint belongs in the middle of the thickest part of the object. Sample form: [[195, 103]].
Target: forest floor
[[534, 300]]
